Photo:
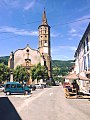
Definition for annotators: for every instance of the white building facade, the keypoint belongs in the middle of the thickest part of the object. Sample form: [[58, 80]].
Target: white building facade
[[82, 61]]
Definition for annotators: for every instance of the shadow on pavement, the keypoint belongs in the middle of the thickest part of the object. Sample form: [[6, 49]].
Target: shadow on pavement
[[7, 110], [78, 97]]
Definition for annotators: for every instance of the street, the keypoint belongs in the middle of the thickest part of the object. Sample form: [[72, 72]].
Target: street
[[44, 104]]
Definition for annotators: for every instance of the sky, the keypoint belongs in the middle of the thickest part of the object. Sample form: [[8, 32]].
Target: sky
[[19, 21]]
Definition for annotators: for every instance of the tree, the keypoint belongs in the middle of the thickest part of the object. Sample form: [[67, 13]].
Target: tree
[[21, 74], [33, 72], [4, 73], [39, 72], [56, 71]]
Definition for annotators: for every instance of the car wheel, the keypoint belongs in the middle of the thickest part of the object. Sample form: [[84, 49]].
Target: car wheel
[[26, 92], [8, 93]]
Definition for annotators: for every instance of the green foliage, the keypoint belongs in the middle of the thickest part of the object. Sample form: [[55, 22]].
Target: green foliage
[[62, 64], [21, 74], [4, 60], [4, 73], [33, 72], [60, 68], [59, 79], [39, 72]]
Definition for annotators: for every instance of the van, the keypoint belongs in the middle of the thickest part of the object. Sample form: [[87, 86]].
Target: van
[[15, 87]]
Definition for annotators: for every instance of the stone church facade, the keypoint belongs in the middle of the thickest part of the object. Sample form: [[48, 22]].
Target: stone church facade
[[28, 57]]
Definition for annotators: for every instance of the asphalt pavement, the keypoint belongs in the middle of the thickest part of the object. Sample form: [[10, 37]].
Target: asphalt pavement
[[44, 104]]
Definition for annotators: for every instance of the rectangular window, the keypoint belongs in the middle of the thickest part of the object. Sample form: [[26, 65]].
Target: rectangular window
[[19, 86], [85, 66], [84, 48], [88, 61], [41, 31], [87, 44]]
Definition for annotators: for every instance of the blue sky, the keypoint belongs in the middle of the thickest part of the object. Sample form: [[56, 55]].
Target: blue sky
[[19, 21]]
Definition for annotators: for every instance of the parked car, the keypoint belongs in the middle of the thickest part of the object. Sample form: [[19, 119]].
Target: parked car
[[57, 83], [15, 87], [2, 88], [39, 86], [32, 87], [44, 85], [66, 84]]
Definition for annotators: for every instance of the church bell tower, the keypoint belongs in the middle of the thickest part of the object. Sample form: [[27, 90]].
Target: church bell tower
[[44, 43]]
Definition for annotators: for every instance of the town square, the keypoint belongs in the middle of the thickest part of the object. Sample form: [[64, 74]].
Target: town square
[[44, 60]]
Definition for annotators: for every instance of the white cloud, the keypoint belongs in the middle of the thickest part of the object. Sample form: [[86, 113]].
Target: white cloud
[[78, 28], [72, 30], [23, 32], [30, 5], [17, 31], [81, 24], [21, 4], [76, 35]]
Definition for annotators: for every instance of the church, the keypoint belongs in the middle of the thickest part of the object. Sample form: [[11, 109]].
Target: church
[[28, 57]]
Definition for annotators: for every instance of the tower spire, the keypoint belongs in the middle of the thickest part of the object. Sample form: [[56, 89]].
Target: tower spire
[[44, 19]]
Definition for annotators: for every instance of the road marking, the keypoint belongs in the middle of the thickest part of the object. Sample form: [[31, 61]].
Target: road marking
[[21, 96]]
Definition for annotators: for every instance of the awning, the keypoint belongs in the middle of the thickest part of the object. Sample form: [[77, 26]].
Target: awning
[[83, 78], [71, 76], [74, 76], [87, 72]]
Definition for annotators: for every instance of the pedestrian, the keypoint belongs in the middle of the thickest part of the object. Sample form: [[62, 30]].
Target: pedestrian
[[75, 86]]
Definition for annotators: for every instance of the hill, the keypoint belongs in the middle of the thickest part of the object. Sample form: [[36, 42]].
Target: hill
[[60, 63], [61, 68], [55, 63]]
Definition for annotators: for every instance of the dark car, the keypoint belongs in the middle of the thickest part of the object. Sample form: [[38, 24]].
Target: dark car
[[15, 87], [32, 87]]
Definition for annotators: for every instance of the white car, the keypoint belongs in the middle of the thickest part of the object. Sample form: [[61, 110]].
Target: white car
[[39, 86], [2, 89]]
